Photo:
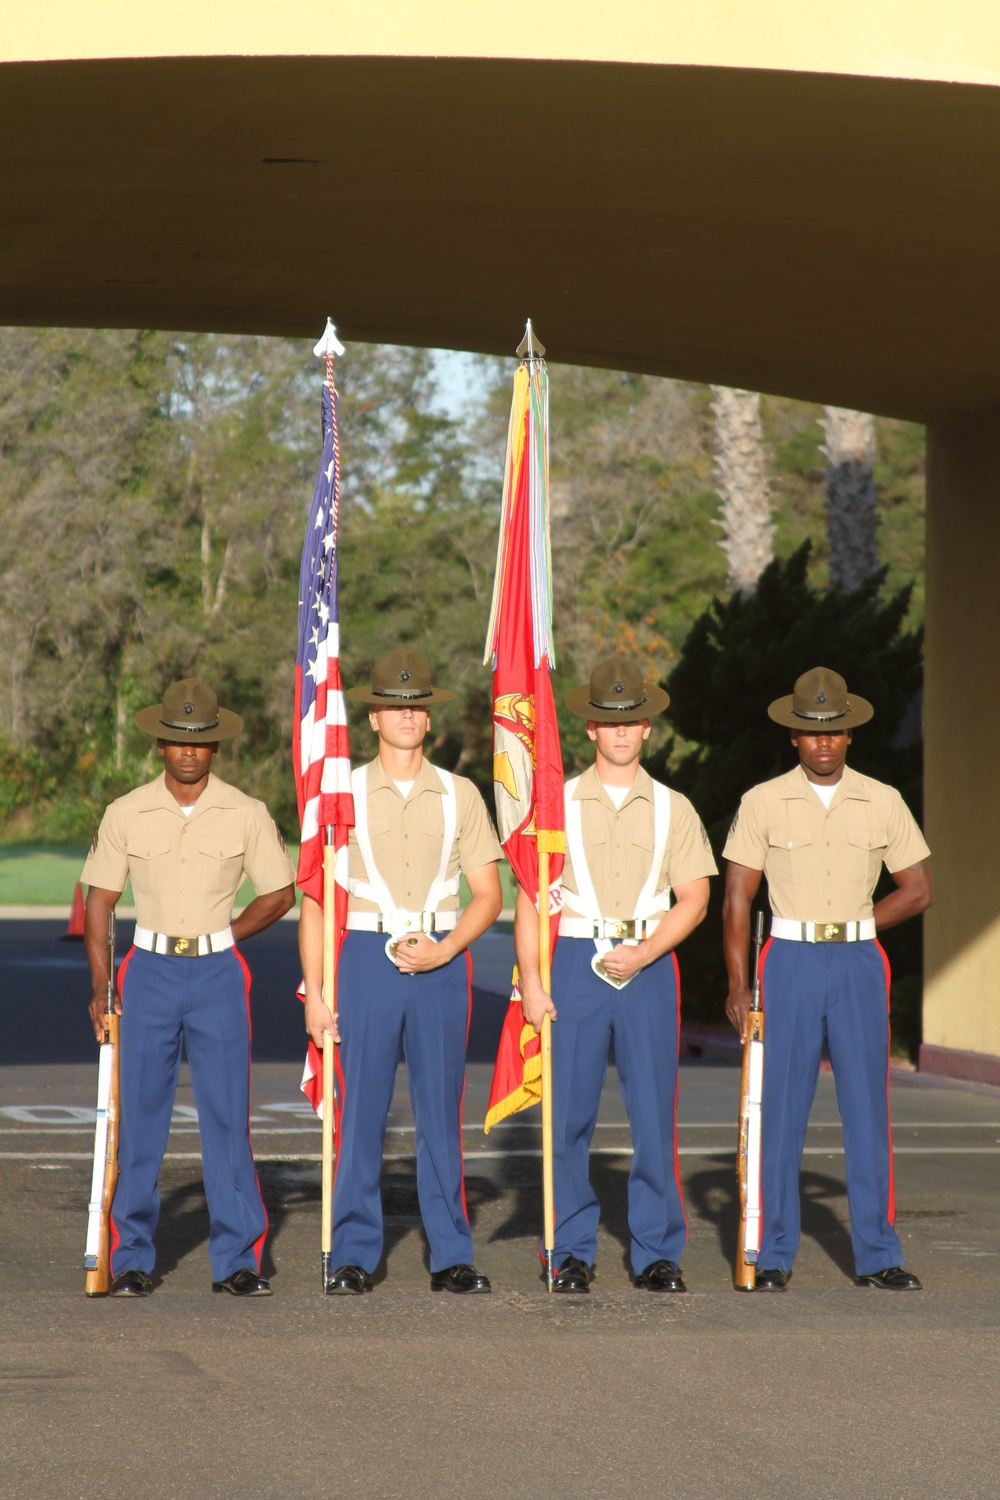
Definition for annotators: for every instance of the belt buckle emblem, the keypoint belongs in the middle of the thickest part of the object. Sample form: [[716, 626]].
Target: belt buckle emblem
[[623, 928], [834, 932], [179, 946]]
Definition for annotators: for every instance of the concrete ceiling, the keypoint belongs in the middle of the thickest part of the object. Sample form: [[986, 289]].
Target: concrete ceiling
[[828, 237]]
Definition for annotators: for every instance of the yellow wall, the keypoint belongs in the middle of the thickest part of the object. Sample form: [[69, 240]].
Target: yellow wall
[[962, 734], [952, 40]]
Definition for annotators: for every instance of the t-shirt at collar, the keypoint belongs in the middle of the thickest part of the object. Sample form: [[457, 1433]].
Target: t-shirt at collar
[[210, 797], [426, 780], [851, 784], [590, 786]]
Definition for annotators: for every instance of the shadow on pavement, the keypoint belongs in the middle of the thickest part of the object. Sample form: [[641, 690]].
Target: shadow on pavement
[[712, 1196]]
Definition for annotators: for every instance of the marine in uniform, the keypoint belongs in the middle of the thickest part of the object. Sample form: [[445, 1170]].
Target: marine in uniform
[[821, 834], [404, 977], [635, 883], [186, 841]]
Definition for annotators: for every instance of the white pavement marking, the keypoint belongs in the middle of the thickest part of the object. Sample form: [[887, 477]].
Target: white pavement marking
[[59, 1118], [502, 1155]]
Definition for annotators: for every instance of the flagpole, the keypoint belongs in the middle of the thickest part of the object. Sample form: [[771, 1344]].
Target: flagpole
[[330, 999], [548, 842], [327, 349]]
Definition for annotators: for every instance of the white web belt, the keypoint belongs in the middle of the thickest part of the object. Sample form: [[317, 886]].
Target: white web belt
[[823, 932], [183, 947]]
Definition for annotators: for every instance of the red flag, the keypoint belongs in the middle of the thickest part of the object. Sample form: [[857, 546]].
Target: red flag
[[320, 751], [527, 760]]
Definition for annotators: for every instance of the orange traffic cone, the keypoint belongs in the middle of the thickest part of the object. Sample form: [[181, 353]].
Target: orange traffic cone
[[74, 928]]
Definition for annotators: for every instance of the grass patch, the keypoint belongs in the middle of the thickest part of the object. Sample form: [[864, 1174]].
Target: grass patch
[[34, 874]]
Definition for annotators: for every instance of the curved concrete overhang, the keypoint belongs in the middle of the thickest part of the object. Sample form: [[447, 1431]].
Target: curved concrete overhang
[[817, 216]]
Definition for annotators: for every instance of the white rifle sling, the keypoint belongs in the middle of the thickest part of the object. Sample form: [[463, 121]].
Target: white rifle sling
[[94, 1207], [755, 1094]]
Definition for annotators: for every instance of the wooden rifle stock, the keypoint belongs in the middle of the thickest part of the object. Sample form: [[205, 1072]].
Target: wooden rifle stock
[[97, 1259], [748, 1149]]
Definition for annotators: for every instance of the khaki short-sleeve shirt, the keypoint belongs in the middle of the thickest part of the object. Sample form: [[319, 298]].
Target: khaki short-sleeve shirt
[[186, 870], [822, 865], [406, 835], [618, 843]]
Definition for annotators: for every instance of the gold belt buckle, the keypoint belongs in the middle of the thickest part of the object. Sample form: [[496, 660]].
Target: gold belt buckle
[[621, 929], [182, 947], [831, 932]]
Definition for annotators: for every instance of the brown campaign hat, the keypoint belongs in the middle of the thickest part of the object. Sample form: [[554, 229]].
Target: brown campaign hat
[[615, 693], [821, 701], [400, 680], [189, 715]]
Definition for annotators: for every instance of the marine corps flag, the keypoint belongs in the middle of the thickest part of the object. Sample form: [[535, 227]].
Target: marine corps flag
[[527, 761]]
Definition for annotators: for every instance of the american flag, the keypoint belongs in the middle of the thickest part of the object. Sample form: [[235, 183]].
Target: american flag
[[320, 749]]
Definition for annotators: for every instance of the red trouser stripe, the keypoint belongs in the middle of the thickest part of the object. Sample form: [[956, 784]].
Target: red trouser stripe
[[677, 1089], [461, 1138], [258, 1248], [888, 1111]]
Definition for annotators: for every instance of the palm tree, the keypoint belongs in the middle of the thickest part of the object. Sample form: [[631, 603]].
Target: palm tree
[[851, 513], [743, 485]]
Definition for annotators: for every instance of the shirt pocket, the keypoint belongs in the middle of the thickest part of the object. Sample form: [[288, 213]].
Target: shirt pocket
[[148, 847], [148, 863], [221, 861], [866, 851], [789, 857]]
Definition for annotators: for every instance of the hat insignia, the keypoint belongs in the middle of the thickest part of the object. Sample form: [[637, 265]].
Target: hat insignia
[[619, 687], [405, 675], [821, 697], [188, 708]]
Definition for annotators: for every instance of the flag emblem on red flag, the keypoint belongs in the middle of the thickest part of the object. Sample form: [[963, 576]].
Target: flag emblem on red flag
[[320, 750], [527, 760]]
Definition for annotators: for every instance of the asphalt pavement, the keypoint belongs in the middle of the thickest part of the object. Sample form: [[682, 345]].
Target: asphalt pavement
[[825, 1390]]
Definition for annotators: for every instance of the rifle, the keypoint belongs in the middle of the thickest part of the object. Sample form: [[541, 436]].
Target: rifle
[[748, 1151], [97, 1259]]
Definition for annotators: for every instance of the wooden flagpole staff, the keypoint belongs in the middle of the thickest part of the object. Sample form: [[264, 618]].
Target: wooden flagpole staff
[[549, 842]]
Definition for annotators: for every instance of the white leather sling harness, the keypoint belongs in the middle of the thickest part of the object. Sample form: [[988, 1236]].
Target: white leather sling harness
[[591, 923], [390, 919]]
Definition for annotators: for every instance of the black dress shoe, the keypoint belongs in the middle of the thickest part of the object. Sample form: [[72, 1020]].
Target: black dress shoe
[[244, 1283], [460, 1279], [348, 1281], [772, 1280], [892, 1279], [573, 1275], [661, 1276], [131, 1284]]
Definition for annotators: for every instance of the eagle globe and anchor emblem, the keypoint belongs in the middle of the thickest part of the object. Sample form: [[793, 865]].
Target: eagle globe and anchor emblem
[[513, 761]]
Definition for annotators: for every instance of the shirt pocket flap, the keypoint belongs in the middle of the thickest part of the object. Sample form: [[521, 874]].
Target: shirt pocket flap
[[221, 845], [642, 838], [149, 846], [377, 826], [867, 838], [792, 838]]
